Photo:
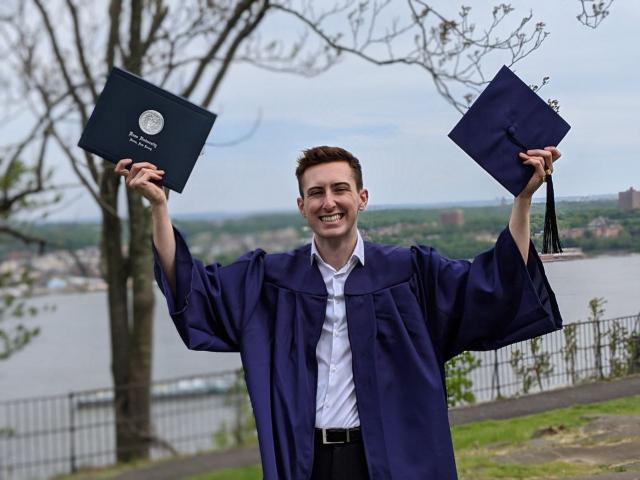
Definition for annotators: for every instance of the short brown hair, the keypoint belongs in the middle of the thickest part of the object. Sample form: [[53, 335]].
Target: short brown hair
[[324, 154]]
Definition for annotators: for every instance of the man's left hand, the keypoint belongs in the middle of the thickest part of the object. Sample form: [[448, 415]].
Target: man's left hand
[[542, 162]]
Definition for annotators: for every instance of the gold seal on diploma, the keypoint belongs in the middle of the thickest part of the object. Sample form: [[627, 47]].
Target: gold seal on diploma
[[151, 122]]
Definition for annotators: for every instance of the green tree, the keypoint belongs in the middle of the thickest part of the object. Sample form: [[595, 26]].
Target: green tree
[[535, 368], [619, 350], [459, 384], [570, 351], [25, 188], [242, 431], [16, 338], [596, 311]]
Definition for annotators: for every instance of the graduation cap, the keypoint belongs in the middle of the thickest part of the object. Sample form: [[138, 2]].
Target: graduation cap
[[508, 118]]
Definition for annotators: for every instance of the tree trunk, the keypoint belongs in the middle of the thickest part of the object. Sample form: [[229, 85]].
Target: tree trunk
[[131, 331], [130, 340], [141, 333]]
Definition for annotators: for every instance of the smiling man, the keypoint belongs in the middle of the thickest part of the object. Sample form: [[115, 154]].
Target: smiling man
[[343, 341]]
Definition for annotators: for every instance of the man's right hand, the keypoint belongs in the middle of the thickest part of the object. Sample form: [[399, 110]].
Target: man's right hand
[[141, 177]]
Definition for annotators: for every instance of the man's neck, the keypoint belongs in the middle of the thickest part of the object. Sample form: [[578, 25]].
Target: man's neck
[[337, 251]]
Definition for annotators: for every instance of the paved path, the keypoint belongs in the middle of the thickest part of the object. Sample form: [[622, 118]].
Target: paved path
[[179, 468], [541, 402]]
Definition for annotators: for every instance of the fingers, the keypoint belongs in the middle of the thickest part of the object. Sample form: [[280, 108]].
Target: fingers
[[139, 173], [547, 155], [143, 176], [136, 167], [554, 152], [537, 162], [121, 167]]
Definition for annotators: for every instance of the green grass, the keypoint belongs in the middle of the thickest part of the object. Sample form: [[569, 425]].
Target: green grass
[[483, 467], [515, 431], [476, 444], [248, 473]]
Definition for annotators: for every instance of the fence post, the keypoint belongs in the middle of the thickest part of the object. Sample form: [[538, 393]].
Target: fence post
[[72, 428], [634, 361], [495, 379], [238, 405]]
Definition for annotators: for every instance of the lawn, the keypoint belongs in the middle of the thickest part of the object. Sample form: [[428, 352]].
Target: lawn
[[491, 449]]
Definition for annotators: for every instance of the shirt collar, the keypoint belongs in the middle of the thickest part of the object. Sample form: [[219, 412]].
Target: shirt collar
[[358, 251]]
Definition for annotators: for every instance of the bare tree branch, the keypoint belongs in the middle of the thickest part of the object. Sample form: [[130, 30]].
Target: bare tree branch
[[241, 138], [449, 49], [8, 199], [156, 21], [241, 8], [80, 50], [592, 17], [249, 27], [28, 239], [61, 61], [74, 164], [113, 42], [133, 60]]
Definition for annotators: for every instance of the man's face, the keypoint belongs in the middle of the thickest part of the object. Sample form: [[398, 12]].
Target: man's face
[[331, 200]]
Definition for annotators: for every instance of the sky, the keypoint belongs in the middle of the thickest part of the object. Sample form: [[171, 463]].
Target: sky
[[394, 121]]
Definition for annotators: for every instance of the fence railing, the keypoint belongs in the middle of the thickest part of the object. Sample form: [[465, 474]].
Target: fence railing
[[582, 351], [45, 436], [42, 437]]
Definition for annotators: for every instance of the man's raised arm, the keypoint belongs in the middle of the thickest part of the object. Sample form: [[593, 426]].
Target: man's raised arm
[[141, 177], [519, 223], [165, 242]]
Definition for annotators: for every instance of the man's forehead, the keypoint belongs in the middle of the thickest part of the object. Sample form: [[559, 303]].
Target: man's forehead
[[329, 173]]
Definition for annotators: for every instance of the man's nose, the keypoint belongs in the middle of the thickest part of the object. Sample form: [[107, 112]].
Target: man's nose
[[329, 201]]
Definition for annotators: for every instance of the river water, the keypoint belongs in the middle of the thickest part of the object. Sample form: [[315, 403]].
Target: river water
[[72, 351]]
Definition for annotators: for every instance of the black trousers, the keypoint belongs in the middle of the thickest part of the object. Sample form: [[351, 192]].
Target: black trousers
[[339, 462]]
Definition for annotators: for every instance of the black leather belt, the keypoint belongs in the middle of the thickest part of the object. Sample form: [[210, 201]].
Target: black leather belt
[[336, 436]]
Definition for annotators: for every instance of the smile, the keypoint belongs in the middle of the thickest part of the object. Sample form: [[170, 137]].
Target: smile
[[331, 218]]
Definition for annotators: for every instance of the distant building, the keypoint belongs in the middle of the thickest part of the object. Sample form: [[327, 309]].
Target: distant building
[[575, 232], [452, 217], [603, 227], [629, 199]]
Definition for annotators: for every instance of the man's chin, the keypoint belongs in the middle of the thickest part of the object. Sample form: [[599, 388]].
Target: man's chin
[[332, 231]]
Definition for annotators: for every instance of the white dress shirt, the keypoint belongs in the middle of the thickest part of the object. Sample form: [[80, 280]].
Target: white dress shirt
[[336, 405]]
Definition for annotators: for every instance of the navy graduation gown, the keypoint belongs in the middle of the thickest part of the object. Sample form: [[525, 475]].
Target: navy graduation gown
[[408, 311]]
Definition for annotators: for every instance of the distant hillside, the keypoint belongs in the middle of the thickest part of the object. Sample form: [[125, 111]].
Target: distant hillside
[[585, 224]]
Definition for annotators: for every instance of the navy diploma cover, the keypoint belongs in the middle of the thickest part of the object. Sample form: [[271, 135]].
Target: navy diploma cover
[[136, 119]]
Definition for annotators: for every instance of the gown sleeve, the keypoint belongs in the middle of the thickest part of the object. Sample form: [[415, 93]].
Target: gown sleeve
[[490, 302], [213, 303]]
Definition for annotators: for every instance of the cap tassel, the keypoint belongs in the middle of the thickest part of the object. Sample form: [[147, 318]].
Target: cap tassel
[[550, 238]]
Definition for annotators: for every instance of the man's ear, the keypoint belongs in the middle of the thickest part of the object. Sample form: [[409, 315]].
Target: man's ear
[[300, 201], [363, 198]]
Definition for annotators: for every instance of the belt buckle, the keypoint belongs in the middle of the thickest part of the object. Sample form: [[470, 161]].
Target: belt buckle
[[327, 442]]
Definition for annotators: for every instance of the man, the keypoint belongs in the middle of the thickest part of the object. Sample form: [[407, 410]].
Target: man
[[343, 341]]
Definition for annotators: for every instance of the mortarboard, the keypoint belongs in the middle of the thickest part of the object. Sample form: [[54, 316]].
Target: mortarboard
[[508, 118]]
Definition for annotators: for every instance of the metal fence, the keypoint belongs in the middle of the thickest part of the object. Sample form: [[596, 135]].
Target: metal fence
[[46, 436], [582, 351], [42, 437]]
